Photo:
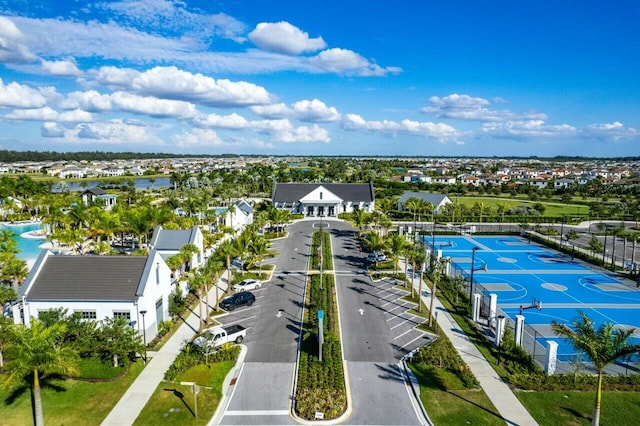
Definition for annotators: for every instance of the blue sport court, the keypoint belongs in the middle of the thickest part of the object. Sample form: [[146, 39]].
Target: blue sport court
[[520, 273]]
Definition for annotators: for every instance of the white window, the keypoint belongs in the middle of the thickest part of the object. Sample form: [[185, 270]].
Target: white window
[[122, 314], [89, 315]]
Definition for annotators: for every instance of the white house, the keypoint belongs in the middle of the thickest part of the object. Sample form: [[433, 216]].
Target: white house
[[438, 201], [239, 216], [168, 242], [133, 287], [94, 194], [328, 199]]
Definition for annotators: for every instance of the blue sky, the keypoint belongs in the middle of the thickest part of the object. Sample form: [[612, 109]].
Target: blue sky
[[452, 78]]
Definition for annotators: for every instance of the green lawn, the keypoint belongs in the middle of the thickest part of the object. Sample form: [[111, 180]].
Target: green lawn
[[447, 402], [576, 408], [173, 404], [68, 402], [553, 208]]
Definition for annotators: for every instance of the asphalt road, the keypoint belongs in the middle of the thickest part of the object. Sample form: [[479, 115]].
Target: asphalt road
[[376, 332], [262, 394]]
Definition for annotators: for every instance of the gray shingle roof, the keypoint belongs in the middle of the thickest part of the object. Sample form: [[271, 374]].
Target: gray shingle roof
[[434, 199], [95, 191], [88, 278], [292, 192], [172, 239]]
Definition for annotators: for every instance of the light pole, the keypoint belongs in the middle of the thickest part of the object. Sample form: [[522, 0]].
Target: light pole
[[473, 258], [144, 335]]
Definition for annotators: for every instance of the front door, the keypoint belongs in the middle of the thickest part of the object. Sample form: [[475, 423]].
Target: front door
[[159, 312], [332, 211], [309, 210]]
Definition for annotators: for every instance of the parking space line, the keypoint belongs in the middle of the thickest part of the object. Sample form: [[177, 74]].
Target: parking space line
[[422, 334], [400, 335]]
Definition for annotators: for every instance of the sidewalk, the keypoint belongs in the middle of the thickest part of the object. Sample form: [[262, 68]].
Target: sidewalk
[[135, 398], [509, 407]]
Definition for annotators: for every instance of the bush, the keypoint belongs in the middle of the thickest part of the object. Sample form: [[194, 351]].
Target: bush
[[441, 354], [191, 356]]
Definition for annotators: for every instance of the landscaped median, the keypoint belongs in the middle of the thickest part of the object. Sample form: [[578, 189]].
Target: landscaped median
[[320, 389]]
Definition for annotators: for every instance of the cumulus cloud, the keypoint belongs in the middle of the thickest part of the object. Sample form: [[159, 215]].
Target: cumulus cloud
[[612, 131], [438, 131], [75, 116], [312, 133], [65, 68], [305, 110], [14, 95], [90, 100], [527, 129], [232, 121], [34, 114], [116, 132], [152, 106], [465, 107], [51, 130], [282, 37], [344, 61], [13, 47], [198, 138], [173, 83]]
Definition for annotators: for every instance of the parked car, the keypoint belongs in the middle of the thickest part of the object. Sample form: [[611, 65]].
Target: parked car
[[215, 337], [248, 284], [376, 257], [243, 298]]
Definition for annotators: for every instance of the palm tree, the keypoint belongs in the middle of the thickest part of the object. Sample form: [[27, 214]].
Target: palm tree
[[214, 270], [436, 277], [359, 217], [228, 251], [39, 352], [419, 259], [197, 284], [186, 253], [259, 249], [413, 204], [395, 245], [603, 346]]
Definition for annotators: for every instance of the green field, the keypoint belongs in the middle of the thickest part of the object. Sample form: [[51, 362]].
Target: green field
[[68, 402]]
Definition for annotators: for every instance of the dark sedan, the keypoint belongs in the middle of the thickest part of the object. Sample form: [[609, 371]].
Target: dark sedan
[[243, 298]]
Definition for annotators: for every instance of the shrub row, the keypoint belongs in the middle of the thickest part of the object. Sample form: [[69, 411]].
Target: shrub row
[[191, 356], [441, 354]]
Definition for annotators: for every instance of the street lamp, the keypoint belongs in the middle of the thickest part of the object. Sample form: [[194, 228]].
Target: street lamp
[[144, 335], [473, 258]]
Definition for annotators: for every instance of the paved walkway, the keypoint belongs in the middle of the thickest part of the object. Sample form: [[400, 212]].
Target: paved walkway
[[135, 398], [502, 397]]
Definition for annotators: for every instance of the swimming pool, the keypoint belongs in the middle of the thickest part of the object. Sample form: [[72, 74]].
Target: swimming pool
[[29, 247]]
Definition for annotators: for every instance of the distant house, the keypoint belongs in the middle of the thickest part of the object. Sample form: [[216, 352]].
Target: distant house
[[133, 287], [437, 200], [328, 199], [168, 242], [91, 195], [239, 216], [445, 180]]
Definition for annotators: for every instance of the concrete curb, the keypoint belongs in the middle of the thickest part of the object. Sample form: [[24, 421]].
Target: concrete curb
[[228, 387]]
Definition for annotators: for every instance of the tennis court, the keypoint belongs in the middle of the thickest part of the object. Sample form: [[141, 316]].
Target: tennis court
[[522, 274]]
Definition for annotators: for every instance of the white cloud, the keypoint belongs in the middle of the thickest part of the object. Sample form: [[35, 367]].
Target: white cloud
[[312, 133], [198, 138], [65, 68], [305, 110], [13, 47], [465, 107], [160, 16], [527, 129], [614, 131], [75, 116], [14, 95], [151, 106], [173, 83], [439, 131], [34, 114], [344, 61], [282, 37], [232, 121], [115, 132], [51, 130], [90, 100]]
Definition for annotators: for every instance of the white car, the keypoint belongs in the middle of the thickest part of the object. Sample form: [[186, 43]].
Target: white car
[[246, 285], [376, 257]]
